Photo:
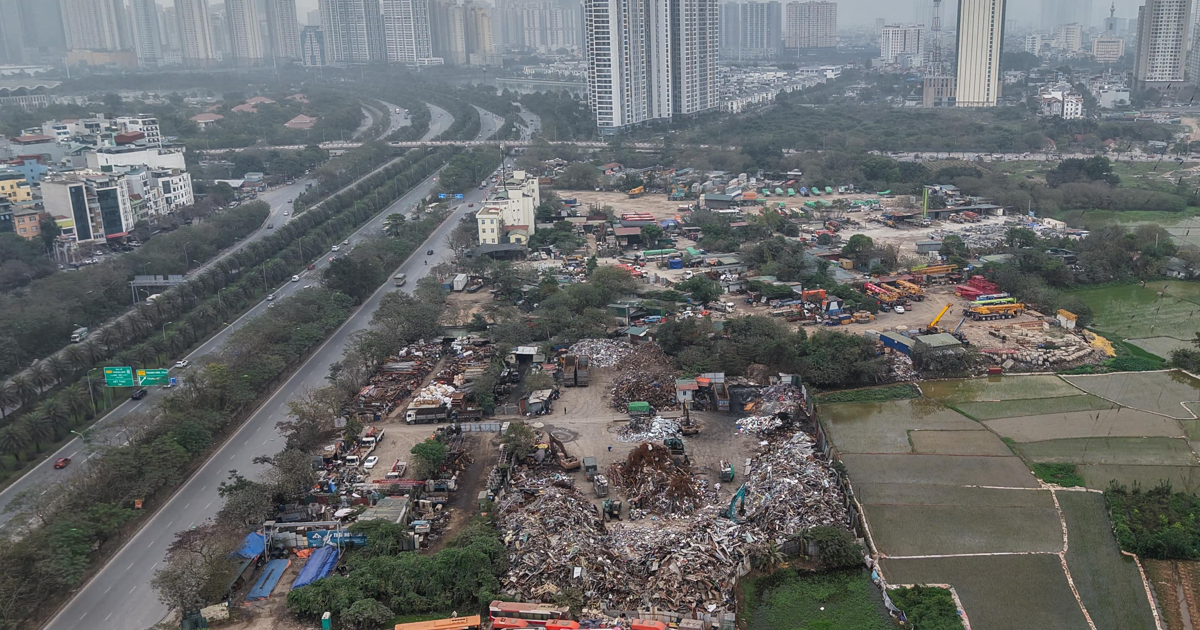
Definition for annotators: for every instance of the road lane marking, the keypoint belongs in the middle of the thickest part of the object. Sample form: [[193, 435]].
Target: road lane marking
[[207, 506], [82, 616], [72, 454], [106, 618], [108, 589], [130, 566], [130, 592], [187, 506]]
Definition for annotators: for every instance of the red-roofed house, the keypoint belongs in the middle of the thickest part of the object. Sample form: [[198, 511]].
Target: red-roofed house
[[204, 121], [301, 122], [299, 98], [128, 137]]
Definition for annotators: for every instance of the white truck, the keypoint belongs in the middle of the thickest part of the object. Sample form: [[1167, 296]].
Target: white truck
[[426, 413], [79, 334]]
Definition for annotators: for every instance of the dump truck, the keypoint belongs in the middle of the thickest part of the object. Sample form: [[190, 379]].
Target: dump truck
[[600, 486], [590, 468], [426, 413], [726, 471], [582, 372], [567, 362], [998, 311]]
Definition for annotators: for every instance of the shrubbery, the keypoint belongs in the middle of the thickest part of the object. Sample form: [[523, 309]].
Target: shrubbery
[[1157, 523]]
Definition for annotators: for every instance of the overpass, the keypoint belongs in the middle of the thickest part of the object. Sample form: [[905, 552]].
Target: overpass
[[412, 144]]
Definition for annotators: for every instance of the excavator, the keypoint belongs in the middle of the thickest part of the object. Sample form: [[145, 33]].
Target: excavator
[[737, 507], [559, 451]]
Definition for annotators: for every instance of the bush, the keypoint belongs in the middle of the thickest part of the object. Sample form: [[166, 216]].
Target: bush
[[927, 607], [1158, 523], [875, 394], [839, 548], [1064, 475]]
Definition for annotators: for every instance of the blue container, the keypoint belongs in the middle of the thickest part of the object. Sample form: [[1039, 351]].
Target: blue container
[[675, 263]]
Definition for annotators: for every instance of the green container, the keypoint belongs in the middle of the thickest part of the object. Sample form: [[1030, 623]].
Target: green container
[[639, 407]]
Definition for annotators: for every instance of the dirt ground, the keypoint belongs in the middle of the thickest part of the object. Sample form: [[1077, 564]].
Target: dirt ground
[[1177, 589], [460, 306]]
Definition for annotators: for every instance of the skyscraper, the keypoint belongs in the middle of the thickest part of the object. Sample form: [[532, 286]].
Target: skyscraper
[[313, 18], [906, 40], [980, 35], [1162, 41], [12, 33], [147, 37], [283, 29], [1056, 12], [447, 24], [312, 46], [91, 25], [731, 30], [195, 34], [810, 25], [481, 47], [241, 20], [353, 31], [406, 30], [650, 59], [751, 30]]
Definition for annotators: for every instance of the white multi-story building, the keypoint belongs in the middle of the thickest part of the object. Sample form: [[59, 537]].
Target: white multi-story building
[[508, 216], [1060, 100], [146, 33], [751, 30], [1068, 37], [980, 34], [1108, 49], [120, 158], [89, 207], [90, 24], [175, 186], [144, 123], [195, 32], [283, 29], [903, 40], [245, 42], [312, 46], [353, 31], [810, 25], [406, 30], [1033, 43], [145, 197], [1162, 43]]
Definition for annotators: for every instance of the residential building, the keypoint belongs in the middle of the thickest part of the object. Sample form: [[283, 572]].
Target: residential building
[[561, 25], [205, 120], [898, 41], [14, 187], [27, 222], [1033, 43], [89, 207], [245, 42], [313, 18], [810, 25], [312, 46], [1060, 100], [147, 37], [1055, 12], [353, 31], [1112, 97], [759, 30], [508, 216], [980, 36], [283, 29], [541, 25], [111, 159], [1108, 49], [175, 186], [481, 46], [144, 123], [694, 49], [449, 32], [1068, 37], [406, 30], [1161, 46], [938, 91], [92, 24], [7, 225], [145, 197], [731, 30], [195, 32]]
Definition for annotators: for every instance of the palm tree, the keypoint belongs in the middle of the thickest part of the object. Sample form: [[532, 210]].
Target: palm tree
[[8, 399], [92, 348], [122, 327], [77, 356], [38, 428], [13, 441], [60, 368], [25, 389], [146, 354], [78, 400], [110, 338], [52, 413], [769, 558], [39, 374], [138, 323]]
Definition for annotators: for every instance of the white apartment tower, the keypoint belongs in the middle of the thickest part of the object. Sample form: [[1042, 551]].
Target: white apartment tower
[[1162, 43], [245, 41], [406, 30], [195, 33], [479, 29], [1068, 37], [91, 25], [980, 34], [810, 25], [903, 40], [629, 61], [147, 36], [759, 30], [694, 47], [283, 29], [353, 31]]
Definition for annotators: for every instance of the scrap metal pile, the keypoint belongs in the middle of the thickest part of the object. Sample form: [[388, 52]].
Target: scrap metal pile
[[774, 407], [557, 540], [602, 353], [654, 484], [645, 375], [470, 360], [399, 376], [648, 429]]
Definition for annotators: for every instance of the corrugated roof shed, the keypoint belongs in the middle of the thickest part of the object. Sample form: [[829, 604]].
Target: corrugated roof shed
[[940, 340]]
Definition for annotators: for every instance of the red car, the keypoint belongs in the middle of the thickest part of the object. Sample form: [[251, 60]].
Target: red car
[[61, 462], [310, 267]]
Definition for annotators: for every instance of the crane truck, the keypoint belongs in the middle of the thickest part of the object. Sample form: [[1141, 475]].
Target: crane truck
[[997, 311]]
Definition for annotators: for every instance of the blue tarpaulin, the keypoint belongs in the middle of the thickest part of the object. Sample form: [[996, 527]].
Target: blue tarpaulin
[[267, 581], [320, 564], [252, 546]]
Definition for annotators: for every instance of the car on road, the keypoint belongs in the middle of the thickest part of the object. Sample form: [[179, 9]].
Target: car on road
[[370, 462], [297, 278], [62, 462], [429, 253], [899, 310], [470, 205], [270, 297], [285, 212], [311, 267], [346, 242], [182, 363], [139, 394], [270, 226], [335, 248]]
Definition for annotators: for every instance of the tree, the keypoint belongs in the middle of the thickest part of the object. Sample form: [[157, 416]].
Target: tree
[[838, 547], [858, 244], [579, 176], [198, 568], [358, 279], [366, 614], [394, 224], [518, 439], [651, 234], [428, 456], [14, 440], [702, 288], [1020, 237], [538, 381], [954, 247], [49, 230]]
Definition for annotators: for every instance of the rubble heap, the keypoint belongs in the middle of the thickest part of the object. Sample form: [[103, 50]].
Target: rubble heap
[[774, 407], [645, 375], [789, 490], [436, 393], [648, 429], [654, 484], [396, 379], [602, 353]]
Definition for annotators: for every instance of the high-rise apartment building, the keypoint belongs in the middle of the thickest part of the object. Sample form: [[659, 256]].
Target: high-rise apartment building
[[481, 46], [146, 35], [195, 32], [12, 34], [731, 30], [980, 36], [448, 24], [1107, 49], [541, 25], [1162, 43], [759, 30], [31, 31], [312, 46], [353, 31], [1068, 37], [313, 18], [406, 31], [810, 25], [283, 29], [92, 24], [245, 43], [899, 41], [1056, 12], [650, 59]]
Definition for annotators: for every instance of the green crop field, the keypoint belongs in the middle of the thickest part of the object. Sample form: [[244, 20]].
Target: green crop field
[[1157, 392], [1160, 309], [1121, 422], [1154, 451], [1031, 406], [995, 388], [1024, 592], [940, 470], [1108, 583], [794, 600], [883, 427], [921, 530], [1182, 478], [958, 443]]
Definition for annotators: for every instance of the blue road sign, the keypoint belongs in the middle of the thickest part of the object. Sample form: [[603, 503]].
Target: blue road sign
[[458, 196], [441, 195]]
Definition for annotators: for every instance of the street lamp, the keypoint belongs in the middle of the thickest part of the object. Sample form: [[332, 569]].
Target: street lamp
[[165, 331], [90, 394], [186, 259]]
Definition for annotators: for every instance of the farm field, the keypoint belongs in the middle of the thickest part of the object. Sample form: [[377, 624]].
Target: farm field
[[1149, 317], [1156, 392], [958, 443], [996, 388], [883, 427], [1177, 588], [791, 600], [1031, 407], [1108, 583], [1120, 422], [1154, 451], [918, 529]]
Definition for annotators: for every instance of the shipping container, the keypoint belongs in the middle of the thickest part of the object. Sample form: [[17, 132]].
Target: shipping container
[[460, 282]]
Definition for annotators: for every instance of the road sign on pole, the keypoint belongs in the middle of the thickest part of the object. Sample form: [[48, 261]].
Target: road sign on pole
[[118, 376], [152, 377]]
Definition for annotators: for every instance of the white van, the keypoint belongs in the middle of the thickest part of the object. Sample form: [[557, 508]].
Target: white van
[[400, 279]]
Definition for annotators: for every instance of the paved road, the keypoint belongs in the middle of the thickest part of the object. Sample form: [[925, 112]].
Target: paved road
[[120, 596], [107, 430]]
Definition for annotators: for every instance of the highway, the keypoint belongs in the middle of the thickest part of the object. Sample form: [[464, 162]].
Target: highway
[[119, 597], [106, 431]]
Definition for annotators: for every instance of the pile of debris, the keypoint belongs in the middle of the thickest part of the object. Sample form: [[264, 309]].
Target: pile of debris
[[436, 393], [759, 425], [396, 379], [654, 484], [648, 429], [603, 353], [788, 490], [646, 375]]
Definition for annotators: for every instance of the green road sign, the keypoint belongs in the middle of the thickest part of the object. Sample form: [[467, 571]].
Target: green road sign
[[152, 377], [118, 376]]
